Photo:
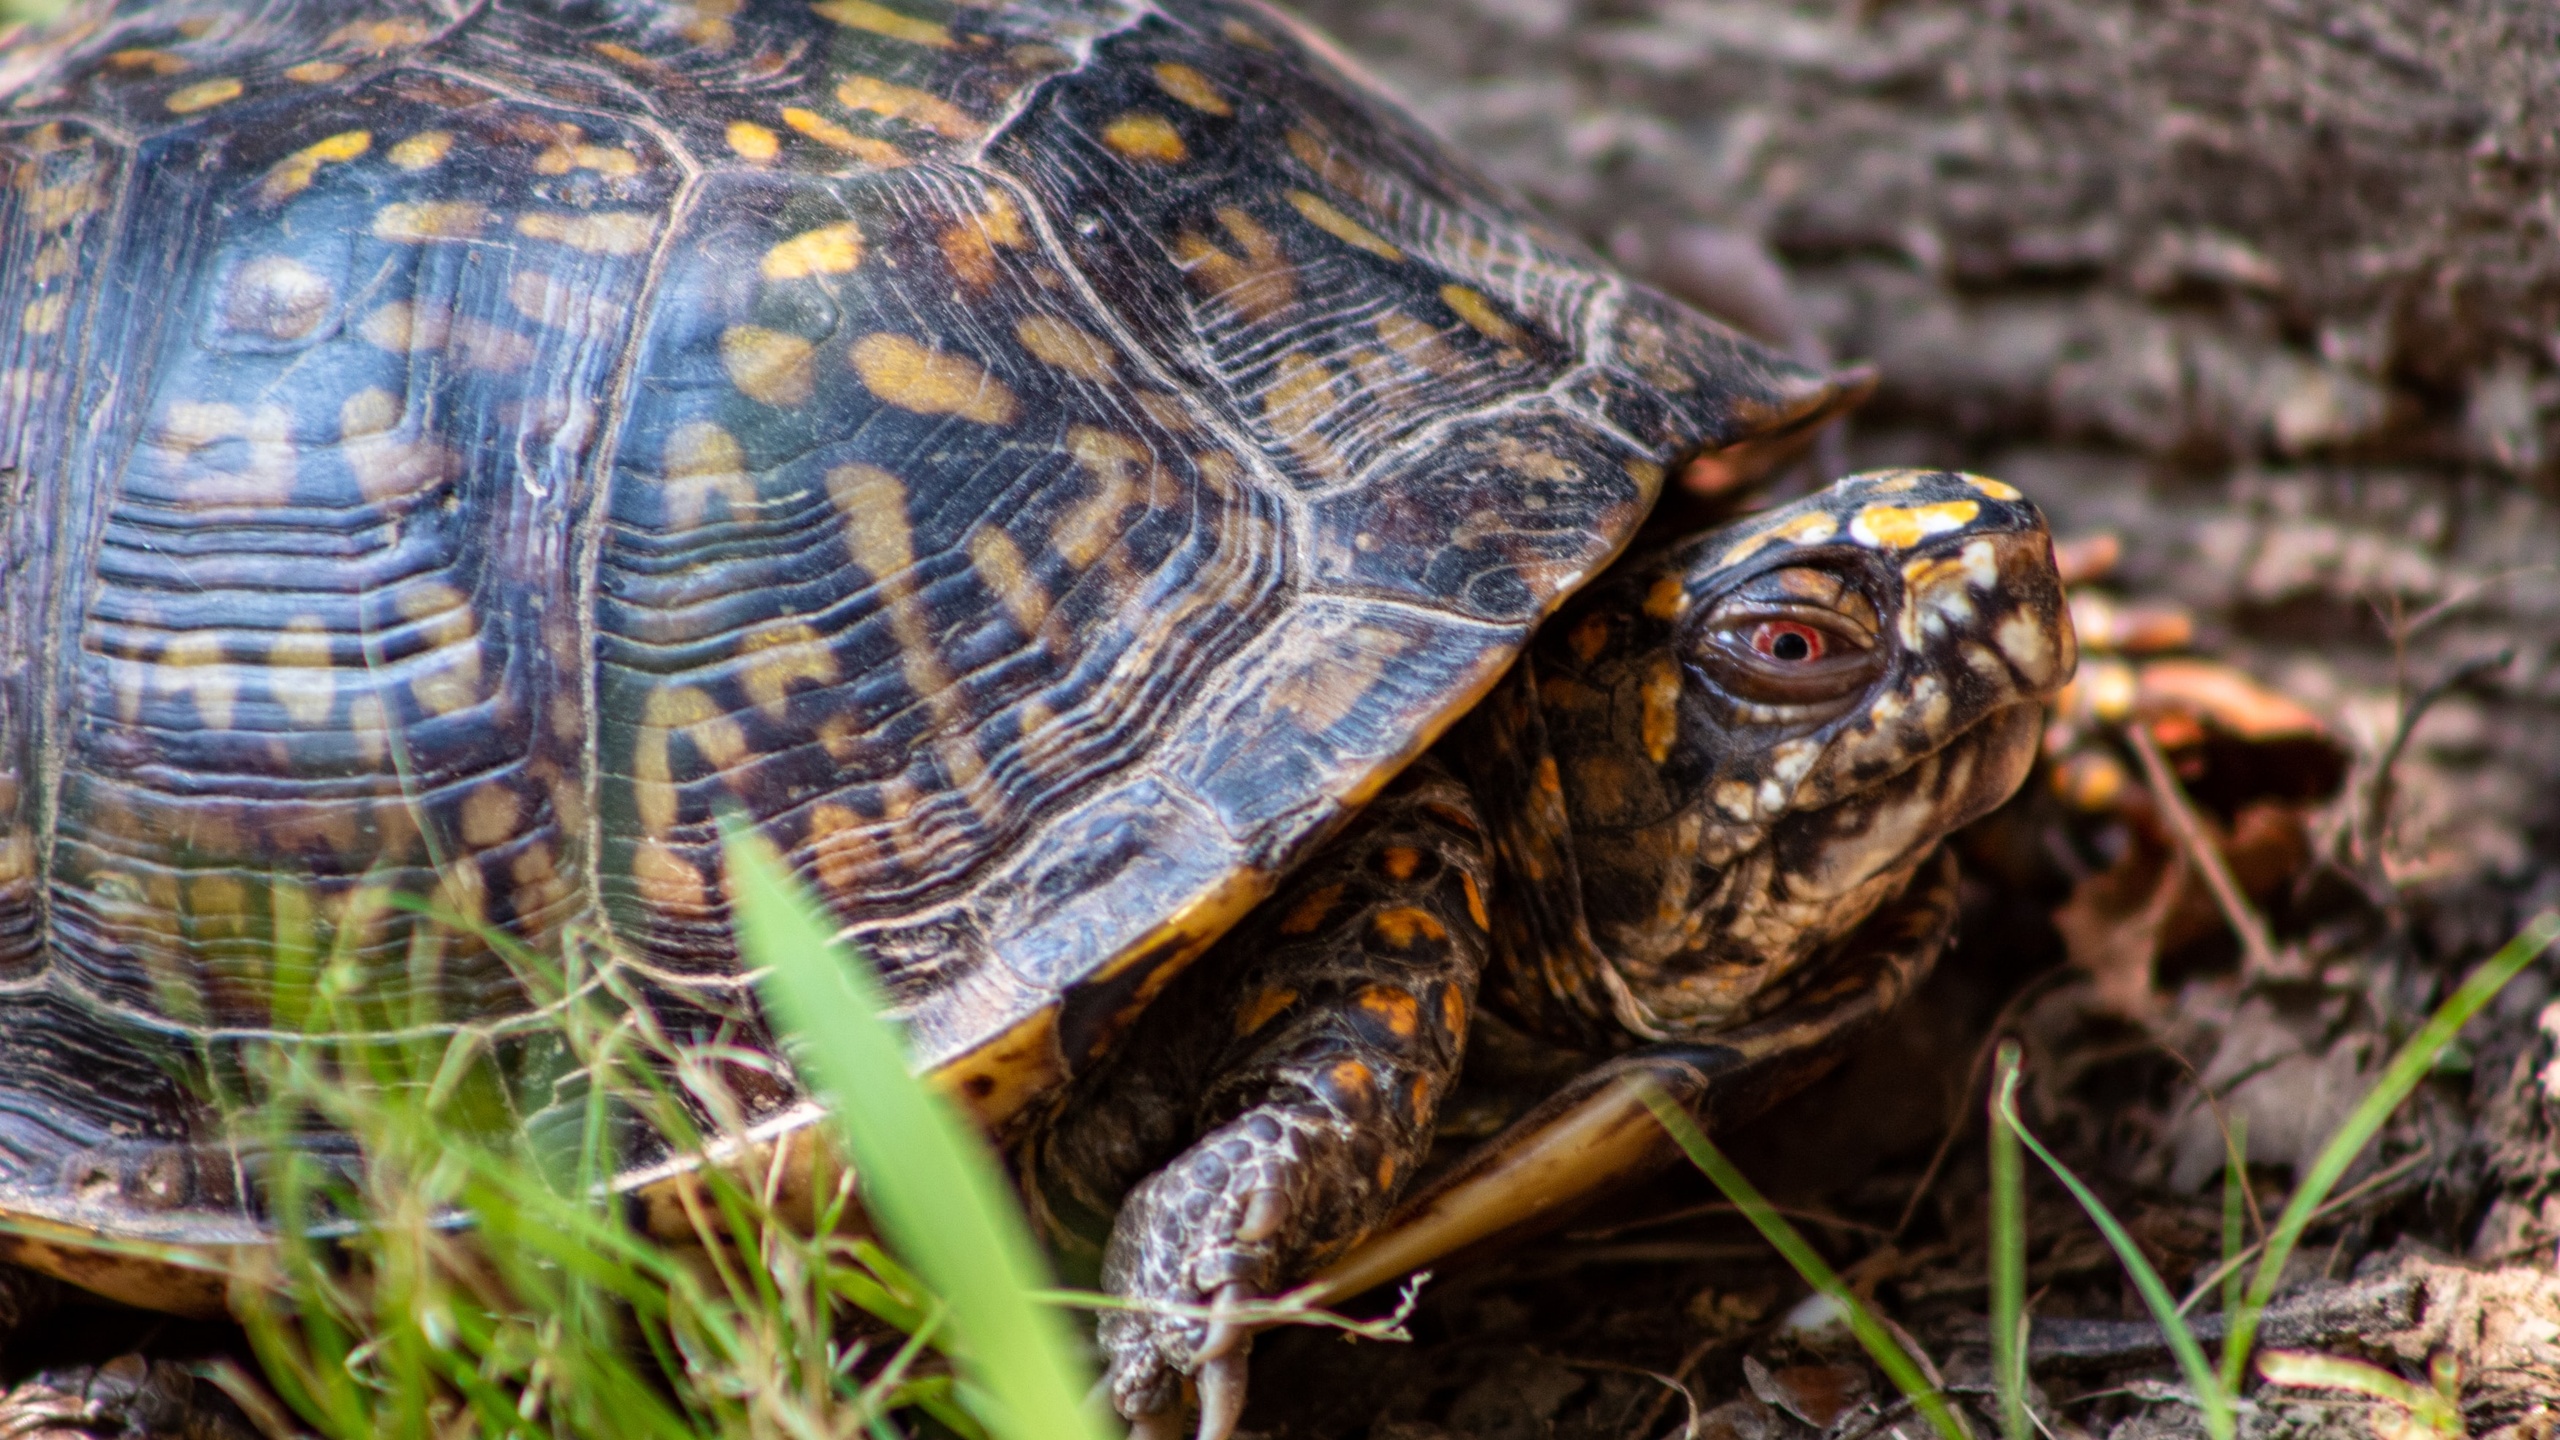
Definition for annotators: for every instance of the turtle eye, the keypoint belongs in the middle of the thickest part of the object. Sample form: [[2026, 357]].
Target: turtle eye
[[1788, 641], [1788, 653]]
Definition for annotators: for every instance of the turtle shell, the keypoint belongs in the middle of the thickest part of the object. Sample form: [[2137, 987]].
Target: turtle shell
[[1045, 465]]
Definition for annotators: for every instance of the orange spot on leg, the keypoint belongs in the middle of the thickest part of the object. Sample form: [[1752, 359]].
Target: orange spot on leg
[[1262, 1009], [1307, 915], [1401, 1012]]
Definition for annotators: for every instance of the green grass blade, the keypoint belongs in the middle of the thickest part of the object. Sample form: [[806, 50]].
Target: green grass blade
[[927, 1177], [2211, 1393], [1782, 1237], [2235, 1209], [2415, 1060], [2009, 1263]]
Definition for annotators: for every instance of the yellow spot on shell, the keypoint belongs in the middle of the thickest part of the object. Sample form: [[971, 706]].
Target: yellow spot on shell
[[202, 95], [610, 161], [835, 137], [1259, 286], [1146, 136], [1000, 565], [315, 72], [1478, 312], [969, 246], [1419, 344], [1899, 527], [1191, 88], [489, 815], [770, 367], [881, 20], [780, 656], [702, 461], [44, 315], [300, 669], [602, 232], [905, 102], [1057, 342], [1993, 488], [667, 882], [1321, 214], [670, 712], [1262, 1009], [874, 505], [422, 151], [293, 174], [158, 62], [203, 672], [277, 297], [828, 250], [421, 220], [930, 382], [753, 142]]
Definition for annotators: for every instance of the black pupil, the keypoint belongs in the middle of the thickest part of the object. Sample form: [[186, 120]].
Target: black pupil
[[1789, 645]]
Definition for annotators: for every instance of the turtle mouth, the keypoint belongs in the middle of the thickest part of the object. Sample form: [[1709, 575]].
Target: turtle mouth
[[1834, 853]]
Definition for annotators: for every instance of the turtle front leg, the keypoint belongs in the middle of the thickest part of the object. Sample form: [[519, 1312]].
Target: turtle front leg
[[1299, 1066]]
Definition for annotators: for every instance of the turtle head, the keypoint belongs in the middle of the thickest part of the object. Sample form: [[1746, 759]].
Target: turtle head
[[1760, 732]]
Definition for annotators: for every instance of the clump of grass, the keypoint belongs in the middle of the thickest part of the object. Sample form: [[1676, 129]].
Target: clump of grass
[[468, 1266], [2214, 1389]]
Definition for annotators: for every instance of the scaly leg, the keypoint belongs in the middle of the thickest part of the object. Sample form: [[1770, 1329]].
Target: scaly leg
[[1296, 1069]]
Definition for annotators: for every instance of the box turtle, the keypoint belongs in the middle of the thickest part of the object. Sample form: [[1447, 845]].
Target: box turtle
[[1059, 470]]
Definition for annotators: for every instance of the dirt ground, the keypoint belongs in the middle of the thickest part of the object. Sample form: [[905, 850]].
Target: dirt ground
[[2269, 292]]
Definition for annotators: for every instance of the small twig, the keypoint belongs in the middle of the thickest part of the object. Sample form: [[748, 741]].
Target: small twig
[[2378, 791], [1298, 1307], [1822, 1218], [1674, 1383], [2257, 946]]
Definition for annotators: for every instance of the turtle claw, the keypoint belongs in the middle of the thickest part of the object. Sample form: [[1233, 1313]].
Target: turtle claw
[[1222, 1395]]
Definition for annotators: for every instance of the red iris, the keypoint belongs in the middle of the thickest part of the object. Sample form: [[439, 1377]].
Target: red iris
[[1788, 641]]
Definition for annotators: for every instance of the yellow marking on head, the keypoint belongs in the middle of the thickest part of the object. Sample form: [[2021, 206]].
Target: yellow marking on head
[[1402, 925], [668, 883], [1325, 217], [1666, 599], [881, 20], [599, 232], [1259, 286], [158, 62], [1191, 88], [422, 151], [835, 137], [293, 174], [1661, 725], [1899, 527], [2027, 642], [489, 815], [202, 95], [1811, 528], [905, 102], [1000, 565], [1475, 904], [701, 461], [828, 250], [1145, 136], [1400, 861], [1262, 1009], [752, 142], [315, 72], [1480, 315], [915, 377], [1058, 342], [781, 654], [300, 671], [770, 367], [1308, 915], [1993, 488], [415, 221]]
